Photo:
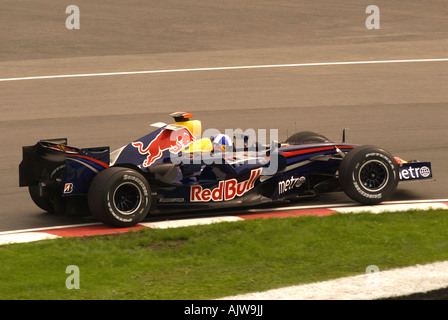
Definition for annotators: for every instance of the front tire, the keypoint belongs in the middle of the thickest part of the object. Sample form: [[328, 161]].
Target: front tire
[[119, 197], [368, 175], [306, 137]]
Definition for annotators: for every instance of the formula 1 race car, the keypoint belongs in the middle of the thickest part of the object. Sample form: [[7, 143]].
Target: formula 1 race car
[[176, 168]]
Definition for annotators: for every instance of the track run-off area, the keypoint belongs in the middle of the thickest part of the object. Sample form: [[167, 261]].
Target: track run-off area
[[427, 281]]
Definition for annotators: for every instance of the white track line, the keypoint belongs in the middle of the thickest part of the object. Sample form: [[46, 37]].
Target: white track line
[[392, 208], [104, 74], [343, 205], [50, 228], [25, 237], [189, 222], [383, 284]]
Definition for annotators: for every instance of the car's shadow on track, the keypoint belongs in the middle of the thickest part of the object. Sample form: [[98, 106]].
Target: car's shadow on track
[[330, 199], [337, 198]]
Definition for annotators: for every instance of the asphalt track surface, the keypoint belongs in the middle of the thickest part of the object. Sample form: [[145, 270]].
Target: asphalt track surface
[[400, 106]]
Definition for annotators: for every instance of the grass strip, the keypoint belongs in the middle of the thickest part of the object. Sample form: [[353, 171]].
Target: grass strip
[[229, 258]]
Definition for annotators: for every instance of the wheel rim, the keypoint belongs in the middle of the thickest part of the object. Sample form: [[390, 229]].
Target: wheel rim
[[127, 198], [373, 175]]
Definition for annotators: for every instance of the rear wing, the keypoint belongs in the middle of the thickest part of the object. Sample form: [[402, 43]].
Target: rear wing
[[45, 160], [41, 161]]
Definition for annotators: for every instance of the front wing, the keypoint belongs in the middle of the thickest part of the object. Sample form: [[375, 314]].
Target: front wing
[[410, 171]]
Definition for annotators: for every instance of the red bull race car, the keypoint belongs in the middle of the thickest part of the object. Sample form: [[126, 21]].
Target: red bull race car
[[177, 168]]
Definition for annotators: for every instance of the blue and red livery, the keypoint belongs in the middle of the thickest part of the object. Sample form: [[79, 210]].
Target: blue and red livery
[[174, 169]]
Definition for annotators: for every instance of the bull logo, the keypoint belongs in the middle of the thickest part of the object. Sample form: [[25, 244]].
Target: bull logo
[[173, 138]]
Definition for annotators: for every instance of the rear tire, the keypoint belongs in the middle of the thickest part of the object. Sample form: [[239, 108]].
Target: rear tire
[[119, 197], [42, 202], [53, 203], [368, 175]]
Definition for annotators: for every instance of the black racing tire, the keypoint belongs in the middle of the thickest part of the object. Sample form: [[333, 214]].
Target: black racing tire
[[306, 137], [368, 175], [119, 197], [55, 203], [42, 202]]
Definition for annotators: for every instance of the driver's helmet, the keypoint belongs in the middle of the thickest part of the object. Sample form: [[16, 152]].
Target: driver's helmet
[[223, 141]]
